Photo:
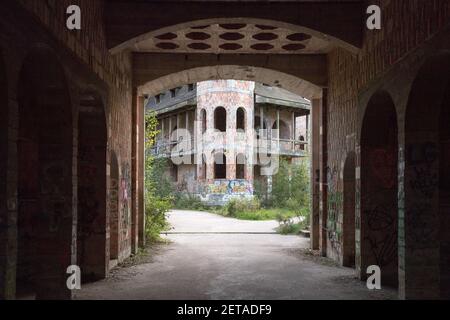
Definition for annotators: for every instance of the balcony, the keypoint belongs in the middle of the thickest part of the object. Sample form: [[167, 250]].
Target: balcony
[[282, 147]]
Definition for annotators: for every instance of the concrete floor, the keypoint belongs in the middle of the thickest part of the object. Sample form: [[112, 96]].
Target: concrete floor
[[212, 257]]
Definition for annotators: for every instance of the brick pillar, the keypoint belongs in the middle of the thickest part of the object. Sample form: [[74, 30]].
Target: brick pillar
[[8, 203], [138, 104], [141, 173], [315, 175], [323, 218]]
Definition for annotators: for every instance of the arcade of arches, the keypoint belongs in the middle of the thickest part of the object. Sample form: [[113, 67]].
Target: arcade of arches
[[72, 119]]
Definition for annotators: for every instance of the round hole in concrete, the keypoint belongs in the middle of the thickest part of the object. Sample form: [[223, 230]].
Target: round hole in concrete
[[198, 36], [230, 46], [265, 36], [232, 36], [298, 37]]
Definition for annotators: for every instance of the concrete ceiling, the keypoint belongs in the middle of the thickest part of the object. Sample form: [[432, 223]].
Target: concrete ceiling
[[234, 38]]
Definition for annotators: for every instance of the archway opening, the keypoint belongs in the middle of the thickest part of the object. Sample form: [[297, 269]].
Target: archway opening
[[220, 119], [240, 119], [92, 146], [203, 117], [427, 183], [349, 222], [284, 132], [379, 189], [44, 153]]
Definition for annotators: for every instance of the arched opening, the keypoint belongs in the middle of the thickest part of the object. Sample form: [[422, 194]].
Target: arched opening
[[114, 207], [204, 119], [349, 222], [204, 168], [92, 146], [45, 139], [240, 119], [241, 162], [427, 183], [302, 145], [220, 119], [379, 189], [284, 133], [220, 166]]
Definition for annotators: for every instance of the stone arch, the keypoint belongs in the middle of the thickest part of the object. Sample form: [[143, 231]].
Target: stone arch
[[241, 118], [272, 77], [349, 220], [138, 40], [379, 189], [204, 120], [92, 187], [427, 183], [114, 194], [45, 185], [220, 119]]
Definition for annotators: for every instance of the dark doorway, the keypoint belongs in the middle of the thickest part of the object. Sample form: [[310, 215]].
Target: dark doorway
[[379, 188], [220, 166], [44, 152], [220, 119]]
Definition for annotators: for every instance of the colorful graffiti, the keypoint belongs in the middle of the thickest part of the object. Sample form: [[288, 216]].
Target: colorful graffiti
[[125, 190], [231, 187]]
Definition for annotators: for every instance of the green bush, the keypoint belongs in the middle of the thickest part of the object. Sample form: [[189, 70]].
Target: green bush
[[188, 202], [236, 207], [156, 220]]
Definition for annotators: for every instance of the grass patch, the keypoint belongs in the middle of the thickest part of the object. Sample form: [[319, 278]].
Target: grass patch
[[264, 214]]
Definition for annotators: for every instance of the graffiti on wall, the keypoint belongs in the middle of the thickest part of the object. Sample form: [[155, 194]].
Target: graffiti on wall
[[231, 187], [125, 191], [423, 180]]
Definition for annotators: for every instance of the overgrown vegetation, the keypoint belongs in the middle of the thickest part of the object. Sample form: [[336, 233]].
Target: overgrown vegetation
[[158, 200]]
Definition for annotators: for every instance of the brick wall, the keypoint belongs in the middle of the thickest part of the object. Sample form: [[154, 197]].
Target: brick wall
[[407, 24], [89, 46]]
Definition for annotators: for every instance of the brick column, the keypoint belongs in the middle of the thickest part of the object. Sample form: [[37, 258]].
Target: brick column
[[323, 218], [315, 175]]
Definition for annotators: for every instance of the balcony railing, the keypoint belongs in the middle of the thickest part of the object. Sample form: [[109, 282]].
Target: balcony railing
[[287, 147]]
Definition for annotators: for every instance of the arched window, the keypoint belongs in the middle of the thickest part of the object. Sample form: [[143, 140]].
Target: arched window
[[241, 161], [203, 118], [284, 132], [220, 166], [302, 146], [220, 119], [240, 119]]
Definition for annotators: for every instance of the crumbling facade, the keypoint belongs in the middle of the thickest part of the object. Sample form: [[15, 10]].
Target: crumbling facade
[[71, 126], [220, 136]]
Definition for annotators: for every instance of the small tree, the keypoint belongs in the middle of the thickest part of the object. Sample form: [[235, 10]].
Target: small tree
[[156, 206]]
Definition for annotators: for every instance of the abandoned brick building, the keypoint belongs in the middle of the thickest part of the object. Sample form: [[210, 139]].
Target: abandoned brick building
[[71, 126], [210, 135]]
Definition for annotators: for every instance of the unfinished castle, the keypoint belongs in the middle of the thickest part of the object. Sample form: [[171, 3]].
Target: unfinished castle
[[221, 136]]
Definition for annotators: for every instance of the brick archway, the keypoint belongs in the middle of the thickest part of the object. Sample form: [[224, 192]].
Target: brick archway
[[378, 216], [427, 183], [292, 83], [45, 185]]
